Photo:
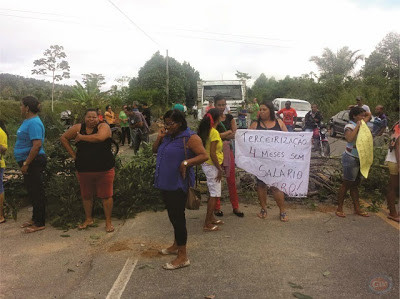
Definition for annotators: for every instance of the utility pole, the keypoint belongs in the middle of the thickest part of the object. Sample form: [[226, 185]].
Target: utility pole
[[167, 89]]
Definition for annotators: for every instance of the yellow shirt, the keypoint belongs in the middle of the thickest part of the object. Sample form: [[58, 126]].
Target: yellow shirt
[[214, 136], [3, 143], [110, 117]]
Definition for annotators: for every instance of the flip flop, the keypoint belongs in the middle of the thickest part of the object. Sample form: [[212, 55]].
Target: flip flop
[[32, 229], [169, 266], [211, 229], [167, 252], [394, 218], [262, 214], [283, 217], [85, 226], [26, 224], [220, 222], [363, 214], [340, 214], [110, 229]]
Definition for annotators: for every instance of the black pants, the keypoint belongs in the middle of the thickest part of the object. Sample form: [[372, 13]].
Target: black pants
[[175, 202], [34, 183], [126, 133]]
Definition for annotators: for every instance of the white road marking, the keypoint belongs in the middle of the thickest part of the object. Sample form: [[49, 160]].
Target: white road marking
[[122, 279]]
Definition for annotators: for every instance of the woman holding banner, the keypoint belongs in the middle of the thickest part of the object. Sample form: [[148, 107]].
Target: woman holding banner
[[351, 162], [212, 168], [267, 121]]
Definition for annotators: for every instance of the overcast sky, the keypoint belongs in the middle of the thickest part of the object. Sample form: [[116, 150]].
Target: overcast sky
[[216, 37]]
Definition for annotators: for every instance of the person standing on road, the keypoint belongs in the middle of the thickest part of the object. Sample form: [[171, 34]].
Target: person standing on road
[[100, 115], [138, 127], [393, 162], [360, 104], [227, 130], [289, 116], [380, 121], [242, 116], [30, 155], [267, 121], [126, 134], [312, 119], [147, 114], [254, 109], [94, 164], [178, 150], [109, 115], [212, 168], [3, 149], [351, 162]]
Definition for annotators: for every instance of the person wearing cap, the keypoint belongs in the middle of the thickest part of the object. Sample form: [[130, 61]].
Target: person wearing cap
[[359, 101], [179, 107]]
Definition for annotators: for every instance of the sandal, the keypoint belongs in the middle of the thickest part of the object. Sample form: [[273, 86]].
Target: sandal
[[220, 222], [218, 213], [363, 214], [211, 229], [33, 228], [340, 214], [169, 266], [26, 224], [262, 214], [110, 229], [167, 252], [284, 217], [85, 225]]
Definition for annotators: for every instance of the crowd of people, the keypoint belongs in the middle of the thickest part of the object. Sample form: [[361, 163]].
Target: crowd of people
[[178, 149]]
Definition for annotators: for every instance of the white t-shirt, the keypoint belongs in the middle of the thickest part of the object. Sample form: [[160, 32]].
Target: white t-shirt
[[227, 109], [391, 156]]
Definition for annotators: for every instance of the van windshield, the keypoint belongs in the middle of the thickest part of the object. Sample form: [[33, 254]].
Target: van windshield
[[300, 106]]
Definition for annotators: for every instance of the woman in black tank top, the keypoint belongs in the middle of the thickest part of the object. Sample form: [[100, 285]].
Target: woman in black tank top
[[94, 163], [267, 121]]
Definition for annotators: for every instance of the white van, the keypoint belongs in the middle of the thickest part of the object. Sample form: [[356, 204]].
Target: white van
[[301, 107]]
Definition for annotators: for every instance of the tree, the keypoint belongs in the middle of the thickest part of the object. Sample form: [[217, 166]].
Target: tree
[[336, 66], [53, 63], [89, 94], [242, 76]]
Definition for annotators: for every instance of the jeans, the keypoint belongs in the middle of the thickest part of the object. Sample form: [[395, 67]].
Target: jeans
[[34, 183], [290, 128], [175, 202], [242, 123], [137, 138], [126, 132]]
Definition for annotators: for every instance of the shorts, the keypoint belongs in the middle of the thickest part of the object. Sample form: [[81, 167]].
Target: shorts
[[96, 183], [351, 168], [393, 168], [211, 173], [1, 180]]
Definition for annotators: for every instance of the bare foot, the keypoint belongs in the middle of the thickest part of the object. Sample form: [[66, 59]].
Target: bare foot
[[84, 225], [27, 223], [33, 228], [109, 228]]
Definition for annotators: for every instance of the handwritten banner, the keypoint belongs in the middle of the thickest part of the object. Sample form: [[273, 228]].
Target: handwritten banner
[[279, 159]]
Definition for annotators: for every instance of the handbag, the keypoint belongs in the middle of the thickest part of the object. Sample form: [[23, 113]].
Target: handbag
[[193, 195]]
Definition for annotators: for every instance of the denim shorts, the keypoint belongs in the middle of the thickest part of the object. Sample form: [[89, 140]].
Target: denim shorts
[[351, 167]]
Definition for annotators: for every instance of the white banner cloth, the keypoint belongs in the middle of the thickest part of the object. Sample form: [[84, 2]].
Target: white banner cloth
[[280, 159]]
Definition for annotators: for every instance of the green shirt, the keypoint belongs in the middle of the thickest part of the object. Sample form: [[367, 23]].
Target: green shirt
[[254, 111], [122, 117]]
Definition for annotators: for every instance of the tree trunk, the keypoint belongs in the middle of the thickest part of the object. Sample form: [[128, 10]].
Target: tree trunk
[[52, 95]]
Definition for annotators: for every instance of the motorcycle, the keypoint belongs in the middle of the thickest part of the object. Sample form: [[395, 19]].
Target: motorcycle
[[320, 140]]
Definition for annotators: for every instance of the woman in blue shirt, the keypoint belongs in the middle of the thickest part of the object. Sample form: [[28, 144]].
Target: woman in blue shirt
[[178, 149], [29, 153]]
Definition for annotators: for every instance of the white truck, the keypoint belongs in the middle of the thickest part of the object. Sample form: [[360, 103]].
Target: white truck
[[234, 92]]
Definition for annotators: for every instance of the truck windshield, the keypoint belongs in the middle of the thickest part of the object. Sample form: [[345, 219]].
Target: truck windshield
[[231, 92], [298, 106]]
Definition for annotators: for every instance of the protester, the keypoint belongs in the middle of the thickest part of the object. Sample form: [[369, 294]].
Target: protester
[[3, 149], [289, 116], [30, 155], [380, 121], [212, 168], [312, 119], [227, 130], [94, 164], [100, 115], [174, 173], [147, 114], [210, 105], [242, 116], [179, 107], [360, 104], [254, 109], [110, 116], [267, 121], [351, 162], [138, 127], [393, 162], [124, 123]]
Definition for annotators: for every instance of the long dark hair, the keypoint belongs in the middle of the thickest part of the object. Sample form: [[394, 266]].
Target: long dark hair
[[3, 127], [270, 106], [355, 111], [218, 98], [32, 103], [206, 124]]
